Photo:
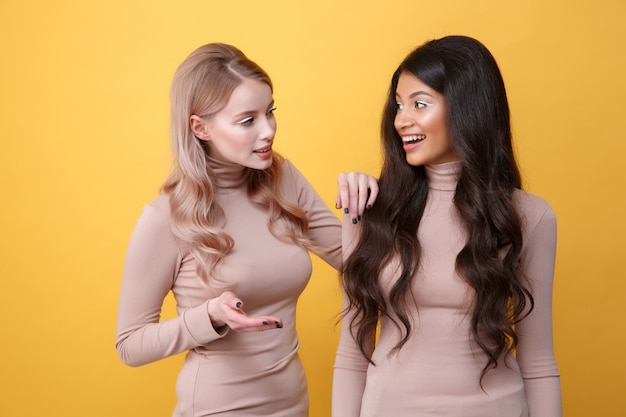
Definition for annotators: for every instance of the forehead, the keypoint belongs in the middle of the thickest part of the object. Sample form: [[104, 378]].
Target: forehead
[[250, 92], [409, 86]]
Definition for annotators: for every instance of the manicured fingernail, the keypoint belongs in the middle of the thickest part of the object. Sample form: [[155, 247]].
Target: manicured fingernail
[[346, 210], [238, 304], [265, 322], [369, 206], [359, 217], [353, 221], [278, 325]]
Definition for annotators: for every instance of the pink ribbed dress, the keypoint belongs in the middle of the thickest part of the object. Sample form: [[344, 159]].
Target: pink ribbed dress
[[437, 372], [229, 373]]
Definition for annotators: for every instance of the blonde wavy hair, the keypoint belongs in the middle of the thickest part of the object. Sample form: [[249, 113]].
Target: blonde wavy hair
[[202, 85]]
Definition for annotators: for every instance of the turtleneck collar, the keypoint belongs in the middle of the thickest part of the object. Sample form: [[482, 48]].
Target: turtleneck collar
[[443, 177], [227, 174]]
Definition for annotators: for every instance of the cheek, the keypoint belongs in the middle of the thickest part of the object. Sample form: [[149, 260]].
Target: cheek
[[436, 122], [431, 120], [237, 137], [440, 122], [231, 140]]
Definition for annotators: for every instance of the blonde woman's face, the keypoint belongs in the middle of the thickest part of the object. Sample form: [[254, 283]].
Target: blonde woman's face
[[243, 131], [421, 122]]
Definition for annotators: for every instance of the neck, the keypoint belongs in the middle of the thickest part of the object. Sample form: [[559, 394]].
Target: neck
[[227, 174], [443, 177]]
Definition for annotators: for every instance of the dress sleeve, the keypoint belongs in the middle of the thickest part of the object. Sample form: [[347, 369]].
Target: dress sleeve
[[324, 226], [350, 370], [535, 352], [152, 262]]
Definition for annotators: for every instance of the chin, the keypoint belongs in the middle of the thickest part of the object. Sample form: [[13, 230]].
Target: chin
[[262, 165], [416, 162]]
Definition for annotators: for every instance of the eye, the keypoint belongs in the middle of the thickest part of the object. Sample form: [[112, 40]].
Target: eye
[[420, 104], [399, 106], [247, 121], [271, 111]]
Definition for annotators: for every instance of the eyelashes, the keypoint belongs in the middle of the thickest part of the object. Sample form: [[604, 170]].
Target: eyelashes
[[417, 105], [249, 120]]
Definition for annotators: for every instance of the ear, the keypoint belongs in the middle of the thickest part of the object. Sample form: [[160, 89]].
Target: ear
[[199, 127]]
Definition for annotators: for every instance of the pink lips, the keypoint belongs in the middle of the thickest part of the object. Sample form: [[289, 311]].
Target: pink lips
[[410, 146], [264, 153], [410, 142]]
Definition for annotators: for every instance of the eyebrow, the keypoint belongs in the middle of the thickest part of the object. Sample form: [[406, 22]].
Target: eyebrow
[[251, 112], [415, 94]]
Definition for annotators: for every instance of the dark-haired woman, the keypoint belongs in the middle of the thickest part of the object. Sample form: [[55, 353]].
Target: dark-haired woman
[[454, 264]]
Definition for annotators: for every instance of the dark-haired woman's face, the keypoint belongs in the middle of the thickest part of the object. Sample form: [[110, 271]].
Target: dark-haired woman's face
[[421, 122]]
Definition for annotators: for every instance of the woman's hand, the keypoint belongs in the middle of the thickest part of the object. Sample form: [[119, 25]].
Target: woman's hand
[[357, 192], [226, 310]]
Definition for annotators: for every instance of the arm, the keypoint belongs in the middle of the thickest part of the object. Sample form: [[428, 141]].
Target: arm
[[324, 227], [350, 373], [152, 262], [535, 352], [350, 370]]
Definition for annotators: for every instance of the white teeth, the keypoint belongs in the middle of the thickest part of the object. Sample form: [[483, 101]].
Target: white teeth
[[413, 138], [263, 150]]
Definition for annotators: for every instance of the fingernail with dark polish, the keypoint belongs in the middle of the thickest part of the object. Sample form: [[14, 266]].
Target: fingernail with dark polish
[[265, 322], [369, 206], [346, 210], [353, 221], [238, 304], [278, 325], [359, 217]]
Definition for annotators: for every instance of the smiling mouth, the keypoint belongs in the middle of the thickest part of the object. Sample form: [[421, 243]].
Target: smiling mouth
[[413, 139], [264, 150]]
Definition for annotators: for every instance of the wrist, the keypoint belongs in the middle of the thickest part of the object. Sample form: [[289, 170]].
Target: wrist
[[215, 321]]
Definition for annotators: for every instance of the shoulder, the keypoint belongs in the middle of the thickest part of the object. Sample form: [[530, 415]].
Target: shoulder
[[289, 170], [533, 211], [292, 180], [155, 218], [160, 203], [531, 204], [158, 208]]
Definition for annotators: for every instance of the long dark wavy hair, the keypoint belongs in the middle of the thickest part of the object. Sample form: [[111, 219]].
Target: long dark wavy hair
[[478, 124]]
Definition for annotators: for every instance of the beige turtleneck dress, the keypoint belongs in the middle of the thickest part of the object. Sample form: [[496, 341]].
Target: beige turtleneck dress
[[228, 373], [437, 372]]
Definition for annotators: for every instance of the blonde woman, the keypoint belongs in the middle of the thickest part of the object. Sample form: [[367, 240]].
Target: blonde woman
[[230, 236]]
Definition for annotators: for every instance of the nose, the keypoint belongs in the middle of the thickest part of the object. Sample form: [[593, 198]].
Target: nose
[[402, 120], [268, 130]]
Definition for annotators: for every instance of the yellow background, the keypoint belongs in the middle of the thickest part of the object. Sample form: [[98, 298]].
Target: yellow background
[[84, 144]]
